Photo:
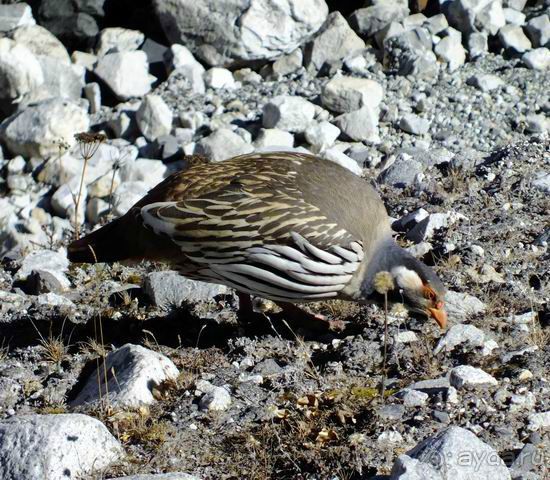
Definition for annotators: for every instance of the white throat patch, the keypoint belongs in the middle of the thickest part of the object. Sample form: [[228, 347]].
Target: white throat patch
[[407, 279]]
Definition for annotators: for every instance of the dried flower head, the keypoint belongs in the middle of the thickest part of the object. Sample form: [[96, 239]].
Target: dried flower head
[[89, 143], [383, 282]]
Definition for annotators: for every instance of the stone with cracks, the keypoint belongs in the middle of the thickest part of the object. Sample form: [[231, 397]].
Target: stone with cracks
[[466, 376], [223, 144], [370, 20], [360, 125], [37, 130], [239, 32], [133, 372], [116, 39], [287, 112], [346, 94], [41, 42], [54, 447], [513, 37], [154, 117]]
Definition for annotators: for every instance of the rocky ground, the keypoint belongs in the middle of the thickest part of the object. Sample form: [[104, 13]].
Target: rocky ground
[[117, 371]]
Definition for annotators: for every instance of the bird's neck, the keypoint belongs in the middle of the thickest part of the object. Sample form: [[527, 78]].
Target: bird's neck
[[385, 256]]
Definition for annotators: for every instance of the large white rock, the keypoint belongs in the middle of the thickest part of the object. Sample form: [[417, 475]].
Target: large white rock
[[537, 59], [273, 137], [15, 15], [512, 36], [154, 117], [65, 198], [125, 73], [132, 374], [346, 94], [217, 77], [41, 42], [335, 41], [20, 70], [223, 144], [44, 260], [226, 32], [55, 447], [287, 112], [37, 130], [450, 50], [466, 376], [126, 195], [476, 15], [360, 125], [117, 39], [321, 135], [61, 80], [146, 170], [453, 454]]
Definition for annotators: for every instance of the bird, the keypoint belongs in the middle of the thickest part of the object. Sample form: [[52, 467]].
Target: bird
[[284, 226]]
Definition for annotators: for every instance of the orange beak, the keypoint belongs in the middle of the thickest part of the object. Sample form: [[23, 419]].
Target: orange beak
[[439, 315]]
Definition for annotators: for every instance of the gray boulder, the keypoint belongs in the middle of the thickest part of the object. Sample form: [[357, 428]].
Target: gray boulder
[[335, 41], [47, 447], [453, 454], [239, 32], [37, 130]]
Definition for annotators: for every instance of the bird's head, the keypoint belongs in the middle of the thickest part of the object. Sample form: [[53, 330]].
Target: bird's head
[[408, 281]]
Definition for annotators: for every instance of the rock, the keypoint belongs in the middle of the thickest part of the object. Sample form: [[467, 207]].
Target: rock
[[539, 422], [223, 144], [404, 171], [466, 376], [92, 92], [126, 195], [215, 399], [245, 32], [471, 15], [75, 23], [20, 70], [407, 468], [336, 156], [180, 60], [346, 94], [414, 124], [452, 454], [461, 334], [14, 16], [413, 398], [477, 44], [169, 289], [117, 40], [64, 201], [125, 73], [47, 447], [360, 125], [83, 59], [133, 373], [450, 50], [518, 5], [335, 41], [461, 305], [47, 261], [436, 24], [36, 130], [541, 182], [485, 82], [54, 300], [389, 438], [288, 64], [273, 137], [513, 17], [370, 20], [290, 113], [410, 53], [537, 59], [538, 30], [146, 170], [41, 42], [154, 117], [217, 77], [513, 37], [321, 135], [96, 208], [61, 80]]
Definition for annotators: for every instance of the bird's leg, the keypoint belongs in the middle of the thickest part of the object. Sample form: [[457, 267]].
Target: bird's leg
[[313, 321], [245, 313]]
